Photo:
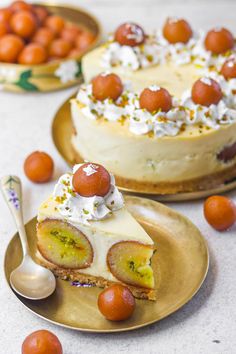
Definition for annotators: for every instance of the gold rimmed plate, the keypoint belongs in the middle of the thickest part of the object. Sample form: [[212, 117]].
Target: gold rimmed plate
[[53, 75], [62, 130], [180, 266]]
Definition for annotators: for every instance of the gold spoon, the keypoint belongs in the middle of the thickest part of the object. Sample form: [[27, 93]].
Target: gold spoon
[[29, 280]]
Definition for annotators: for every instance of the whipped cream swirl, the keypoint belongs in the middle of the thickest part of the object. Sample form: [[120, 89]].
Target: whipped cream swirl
[[108, 109], [126, 107], [212, 116], [80, 209], [159, 124], [178, 53], [157, 50], [133, 58], [228, 87]]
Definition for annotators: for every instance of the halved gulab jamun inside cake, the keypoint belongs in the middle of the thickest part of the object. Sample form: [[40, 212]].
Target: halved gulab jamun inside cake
[[63, 244], [228, 153], [129, 261]]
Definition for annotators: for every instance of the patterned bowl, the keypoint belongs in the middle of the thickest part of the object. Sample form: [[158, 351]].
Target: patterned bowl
[[55, 75]]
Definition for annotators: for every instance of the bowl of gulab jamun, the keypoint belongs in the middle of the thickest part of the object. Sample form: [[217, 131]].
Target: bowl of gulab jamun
[[41, 46]]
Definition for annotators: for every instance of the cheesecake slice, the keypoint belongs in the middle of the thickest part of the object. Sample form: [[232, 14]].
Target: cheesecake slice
[[94, 239]]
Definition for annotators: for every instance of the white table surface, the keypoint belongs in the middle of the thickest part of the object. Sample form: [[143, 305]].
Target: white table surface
[[207, 324]]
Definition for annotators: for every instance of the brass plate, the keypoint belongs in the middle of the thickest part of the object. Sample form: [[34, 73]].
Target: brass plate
[[62, 130], [42, 78], [180, 266]]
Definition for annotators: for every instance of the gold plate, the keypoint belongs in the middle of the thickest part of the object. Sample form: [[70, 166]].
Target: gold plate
[[180, 266], [55, 75], [62, 130]]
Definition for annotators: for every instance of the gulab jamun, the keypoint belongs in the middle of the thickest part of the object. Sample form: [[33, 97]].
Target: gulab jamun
[[206, 91], [91, 179]]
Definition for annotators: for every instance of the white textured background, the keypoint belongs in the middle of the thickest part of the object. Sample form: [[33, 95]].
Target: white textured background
[[26, 126]]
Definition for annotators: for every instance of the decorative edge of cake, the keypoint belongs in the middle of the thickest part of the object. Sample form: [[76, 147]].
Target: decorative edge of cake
[[154, 112]]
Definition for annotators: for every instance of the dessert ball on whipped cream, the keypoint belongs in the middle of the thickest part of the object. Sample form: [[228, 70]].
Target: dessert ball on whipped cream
[[155, 98], [106, 86], [177, 31], [219, 40], [228, 69], [129, 34], [91, 179], [206, 91]]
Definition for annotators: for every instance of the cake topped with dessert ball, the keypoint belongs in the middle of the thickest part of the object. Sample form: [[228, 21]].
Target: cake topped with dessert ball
[[86, 234]]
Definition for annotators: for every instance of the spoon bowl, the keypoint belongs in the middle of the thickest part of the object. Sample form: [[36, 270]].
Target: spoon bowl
[[32, 281], [29, 280]]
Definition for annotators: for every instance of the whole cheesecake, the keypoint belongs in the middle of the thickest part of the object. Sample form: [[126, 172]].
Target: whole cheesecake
[[168, 120]]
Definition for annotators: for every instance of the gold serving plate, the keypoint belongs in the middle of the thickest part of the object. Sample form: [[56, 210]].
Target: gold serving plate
[[62, 130], [55, 75], [180, 266]]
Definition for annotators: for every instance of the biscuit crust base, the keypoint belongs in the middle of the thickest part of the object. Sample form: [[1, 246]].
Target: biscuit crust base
[[75, 275], [194, 185]]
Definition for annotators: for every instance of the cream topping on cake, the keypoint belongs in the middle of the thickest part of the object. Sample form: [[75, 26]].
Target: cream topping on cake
[[140, 56], [228, 87], [76, 208], [212, 116], [183, 113], [157, 50]]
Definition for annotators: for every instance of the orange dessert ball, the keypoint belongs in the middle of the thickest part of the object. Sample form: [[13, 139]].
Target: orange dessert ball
[[75, 53], [41, 342], [43, 36], [55, 23], [4, 29], [107, 86], [20, 6], [206, 91], [70, 33], [23, 23], [220, 212], [84, 40], [59, 48], [41, 13], [228, 69], [5, 15], [91, 179], [130, 34], [116, 303], [39, 167], [219, 40], [10, 47], [177, 31], [33, 54], [155, 98]]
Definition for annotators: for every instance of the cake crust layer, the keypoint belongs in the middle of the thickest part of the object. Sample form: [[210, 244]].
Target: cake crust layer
[[100, 282]]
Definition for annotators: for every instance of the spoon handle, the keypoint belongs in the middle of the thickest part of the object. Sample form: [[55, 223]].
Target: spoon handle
[[12, 192]]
